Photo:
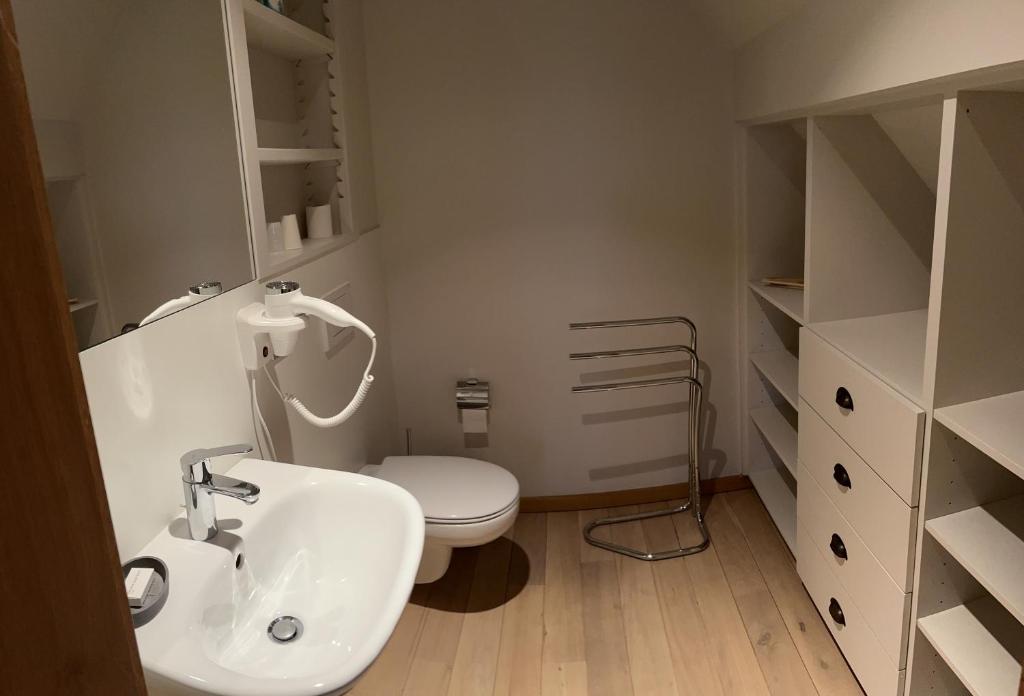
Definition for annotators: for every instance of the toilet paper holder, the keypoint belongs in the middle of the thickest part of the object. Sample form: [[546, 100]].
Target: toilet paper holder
[[472, 394]]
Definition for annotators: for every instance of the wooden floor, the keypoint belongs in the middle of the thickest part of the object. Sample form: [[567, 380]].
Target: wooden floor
[[542, 612]]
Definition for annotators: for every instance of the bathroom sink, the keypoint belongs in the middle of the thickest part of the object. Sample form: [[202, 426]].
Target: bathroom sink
[[336, 551]]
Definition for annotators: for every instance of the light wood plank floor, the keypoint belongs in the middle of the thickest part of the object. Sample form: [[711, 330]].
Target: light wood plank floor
[[542, 612]]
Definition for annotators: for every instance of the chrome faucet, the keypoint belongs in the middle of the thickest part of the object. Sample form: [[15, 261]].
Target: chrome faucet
[[200, 486]]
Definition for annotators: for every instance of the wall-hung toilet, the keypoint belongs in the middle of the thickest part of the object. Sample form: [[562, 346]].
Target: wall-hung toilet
[[466, 502]]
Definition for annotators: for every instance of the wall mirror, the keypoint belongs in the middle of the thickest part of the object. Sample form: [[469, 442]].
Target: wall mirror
[[134, 114]]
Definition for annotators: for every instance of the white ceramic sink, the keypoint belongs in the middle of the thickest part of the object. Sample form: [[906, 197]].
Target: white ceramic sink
[[338, 551]]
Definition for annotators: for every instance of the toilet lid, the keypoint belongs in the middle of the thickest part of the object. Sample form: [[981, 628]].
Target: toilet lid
[[453, 489]]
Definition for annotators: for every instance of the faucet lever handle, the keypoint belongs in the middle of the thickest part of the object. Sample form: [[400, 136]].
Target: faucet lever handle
[[197, 458]]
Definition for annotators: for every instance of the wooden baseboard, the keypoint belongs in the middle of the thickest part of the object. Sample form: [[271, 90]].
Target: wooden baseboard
[[636, 496]]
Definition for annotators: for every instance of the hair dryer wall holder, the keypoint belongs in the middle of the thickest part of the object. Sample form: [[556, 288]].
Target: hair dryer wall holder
[[261, 337]]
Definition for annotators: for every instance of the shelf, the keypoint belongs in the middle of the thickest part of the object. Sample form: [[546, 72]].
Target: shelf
[[980, 643], [787, 300], [988, 541], [281, 261], [993, 425], [781, 436], [781, 368], [780, 501], [890, 346], [81, 304], [272, 32], [283, 156]]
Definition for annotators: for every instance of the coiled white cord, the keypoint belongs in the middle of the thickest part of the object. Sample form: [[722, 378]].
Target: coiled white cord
[[345, 413]]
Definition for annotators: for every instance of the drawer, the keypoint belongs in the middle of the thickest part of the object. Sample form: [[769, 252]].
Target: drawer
[[875, 671], [881, 518], [882, 603], [885, 428]]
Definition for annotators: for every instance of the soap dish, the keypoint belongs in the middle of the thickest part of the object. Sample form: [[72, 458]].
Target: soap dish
[[157, 596]]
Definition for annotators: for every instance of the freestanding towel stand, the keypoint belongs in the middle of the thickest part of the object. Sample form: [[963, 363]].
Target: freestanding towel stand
[[696, 389]]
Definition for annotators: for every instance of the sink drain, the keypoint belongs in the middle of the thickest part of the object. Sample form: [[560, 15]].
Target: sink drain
[[285, 629]]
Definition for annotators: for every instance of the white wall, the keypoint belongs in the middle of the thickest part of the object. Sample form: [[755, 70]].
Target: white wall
[[178, 384], [830, 51], [540, 163]]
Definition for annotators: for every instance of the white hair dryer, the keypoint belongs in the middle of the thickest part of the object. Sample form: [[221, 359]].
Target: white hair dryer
[[196, 293], [280, 319]]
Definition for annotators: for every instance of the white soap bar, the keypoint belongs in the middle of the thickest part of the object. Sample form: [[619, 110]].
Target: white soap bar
[[138, 584]]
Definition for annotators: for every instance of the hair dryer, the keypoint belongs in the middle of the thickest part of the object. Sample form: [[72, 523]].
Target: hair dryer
[[280, 318], [196, 293]]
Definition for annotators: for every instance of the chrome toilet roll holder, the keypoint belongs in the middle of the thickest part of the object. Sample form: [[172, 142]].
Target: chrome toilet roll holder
[[696, 397]]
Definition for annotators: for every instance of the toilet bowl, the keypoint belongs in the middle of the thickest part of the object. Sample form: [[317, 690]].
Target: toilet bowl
[[466, 502]]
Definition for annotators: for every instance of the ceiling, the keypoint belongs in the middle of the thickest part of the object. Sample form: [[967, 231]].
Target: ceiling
[[739, 21]]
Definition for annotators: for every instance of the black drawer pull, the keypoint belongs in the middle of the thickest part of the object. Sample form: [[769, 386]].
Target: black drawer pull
[[836, 612], [843, 399], [838, 547], [841, 476]]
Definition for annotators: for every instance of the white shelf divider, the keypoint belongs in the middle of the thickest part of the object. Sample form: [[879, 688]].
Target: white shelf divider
[[890, 346], [988, 541], [781, 436], [789, 301], [272, 32], [980, 643], [781, 368], [780, 501], [298, 155], [994, 425]]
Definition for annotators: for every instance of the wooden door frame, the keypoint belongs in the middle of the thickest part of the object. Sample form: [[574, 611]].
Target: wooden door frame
[[67, 626]]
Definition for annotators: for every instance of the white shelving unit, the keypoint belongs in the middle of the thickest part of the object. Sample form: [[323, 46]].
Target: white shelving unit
[[979, 645], [270, 156], [969, 608], [271, 31], [994, 425], [780, 501], [781, 368], [283, 261], [779, 433], [290, 112], [891, 346], [988, 541], [790, 301], [775, 163]]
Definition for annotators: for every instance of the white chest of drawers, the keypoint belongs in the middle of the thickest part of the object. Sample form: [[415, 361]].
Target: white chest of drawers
[[859, 449]]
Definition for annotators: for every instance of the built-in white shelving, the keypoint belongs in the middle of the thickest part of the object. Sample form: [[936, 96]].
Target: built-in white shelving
[[981, 643], [780, 501], [789, 301], [988, 541], [281, 261], [780, 434], [299, 155], [781, 368], [890, 346], [270, 31], [994, 425]]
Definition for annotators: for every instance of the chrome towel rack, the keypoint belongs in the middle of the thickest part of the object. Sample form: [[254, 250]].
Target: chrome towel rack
[[696, 398]]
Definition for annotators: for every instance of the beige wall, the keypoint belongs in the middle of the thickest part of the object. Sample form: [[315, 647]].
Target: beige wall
[[540, 163], [178, 384], [830, 51]]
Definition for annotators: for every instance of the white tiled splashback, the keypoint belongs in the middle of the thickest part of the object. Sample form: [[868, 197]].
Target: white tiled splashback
[[178, 384]]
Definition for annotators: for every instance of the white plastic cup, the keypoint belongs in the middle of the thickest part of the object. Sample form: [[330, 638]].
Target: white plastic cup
[[290, 232], [275, 237], [318, 221]]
